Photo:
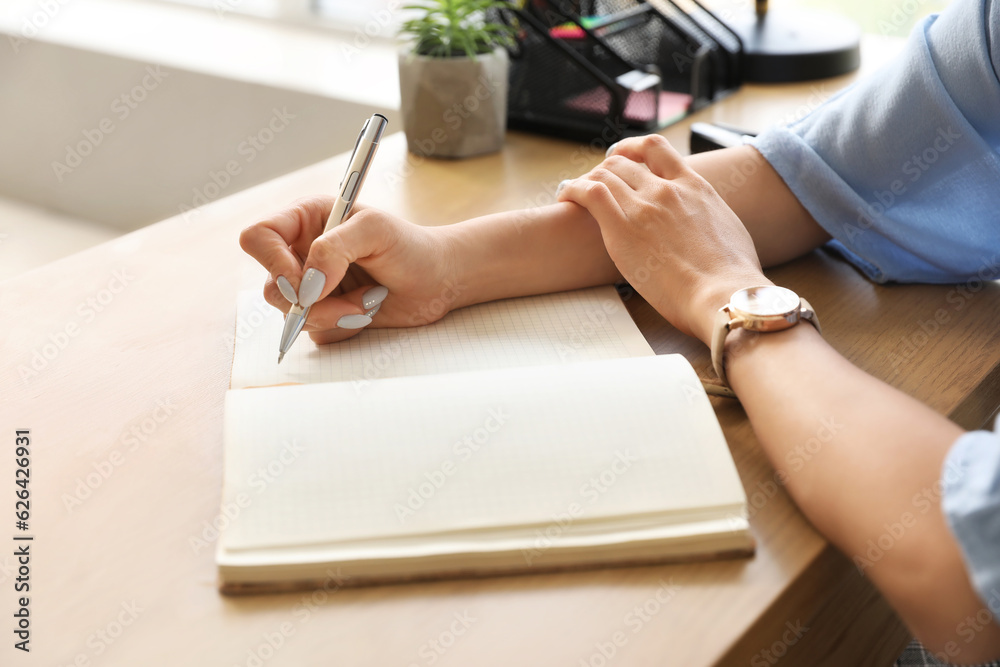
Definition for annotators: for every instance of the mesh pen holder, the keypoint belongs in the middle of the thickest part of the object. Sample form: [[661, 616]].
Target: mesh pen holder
[[604, 69]]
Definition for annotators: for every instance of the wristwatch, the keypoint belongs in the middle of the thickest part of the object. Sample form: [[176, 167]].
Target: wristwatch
[[764, 308]]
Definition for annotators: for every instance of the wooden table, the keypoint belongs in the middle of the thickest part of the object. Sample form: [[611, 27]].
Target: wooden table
[[117, 359]]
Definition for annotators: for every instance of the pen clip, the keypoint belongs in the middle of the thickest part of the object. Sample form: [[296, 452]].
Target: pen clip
[[354, 152]]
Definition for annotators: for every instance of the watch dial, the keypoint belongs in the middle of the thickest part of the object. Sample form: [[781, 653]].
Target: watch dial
[[765, 300]]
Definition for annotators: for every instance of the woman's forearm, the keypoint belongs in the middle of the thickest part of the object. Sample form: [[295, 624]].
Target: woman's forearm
[[532, 251], [781, 228], [559, 247], [863, 462]]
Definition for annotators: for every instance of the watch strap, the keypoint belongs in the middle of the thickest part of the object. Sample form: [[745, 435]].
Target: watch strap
[[722, 328], [808, 313], [719, 333]]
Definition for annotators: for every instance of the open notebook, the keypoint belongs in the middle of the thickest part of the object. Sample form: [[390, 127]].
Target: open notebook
[[523, 435]]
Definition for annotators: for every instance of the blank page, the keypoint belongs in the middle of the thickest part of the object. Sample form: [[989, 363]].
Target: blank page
[[550, 329], [325, 464]]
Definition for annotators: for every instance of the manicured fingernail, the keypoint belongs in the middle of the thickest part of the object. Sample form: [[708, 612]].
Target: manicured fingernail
[[354, 321], [371, 313], [611, 149], [286, 289], [374, 297], [311, 287], [561, 185]]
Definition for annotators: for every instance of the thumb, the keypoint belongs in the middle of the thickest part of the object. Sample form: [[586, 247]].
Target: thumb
[[364, 234]]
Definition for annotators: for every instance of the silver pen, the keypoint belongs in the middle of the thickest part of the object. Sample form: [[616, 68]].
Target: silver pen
[[350, 186]]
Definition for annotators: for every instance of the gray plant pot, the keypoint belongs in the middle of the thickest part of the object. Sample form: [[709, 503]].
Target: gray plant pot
[[454, 107]]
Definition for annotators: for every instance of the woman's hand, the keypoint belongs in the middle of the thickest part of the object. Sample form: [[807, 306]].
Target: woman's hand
[[668, 231], [369, 249]]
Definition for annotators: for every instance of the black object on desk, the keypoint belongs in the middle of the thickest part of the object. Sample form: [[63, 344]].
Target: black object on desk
[[599, 70], [710, 137], [791, 44]]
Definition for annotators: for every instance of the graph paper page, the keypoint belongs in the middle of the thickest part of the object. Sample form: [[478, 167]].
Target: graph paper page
[[550, 329]]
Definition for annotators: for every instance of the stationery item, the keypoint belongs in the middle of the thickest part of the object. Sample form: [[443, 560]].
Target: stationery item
[[565, 80], [640, 106], [347, 192], [713, 136], [524, 435]]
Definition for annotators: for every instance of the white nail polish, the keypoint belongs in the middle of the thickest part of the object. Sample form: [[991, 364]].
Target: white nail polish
[[610, 150], [561, 185], [354, 321], [374, 297], [311, 287], [286, 289], [371, 313]]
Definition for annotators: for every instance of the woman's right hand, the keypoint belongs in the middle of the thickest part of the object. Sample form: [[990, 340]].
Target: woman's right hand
[[370, 248]]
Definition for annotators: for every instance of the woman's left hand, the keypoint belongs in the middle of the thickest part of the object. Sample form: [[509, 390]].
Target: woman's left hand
[[668, 231]]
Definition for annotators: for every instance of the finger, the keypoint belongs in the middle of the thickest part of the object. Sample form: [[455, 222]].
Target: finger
[[274, 297], [346, 311], [597, 196], [362, 235], [276, 242], [655, 152], [634, 174]]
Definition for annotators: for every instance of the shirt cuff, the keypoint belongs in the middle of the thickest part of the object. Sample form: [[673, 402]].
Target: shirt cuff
[[970, 481]]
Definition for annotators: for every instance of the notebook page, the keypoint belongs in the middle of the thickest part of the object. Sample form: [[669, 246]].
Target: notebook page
[[471, 451], [531, 331]]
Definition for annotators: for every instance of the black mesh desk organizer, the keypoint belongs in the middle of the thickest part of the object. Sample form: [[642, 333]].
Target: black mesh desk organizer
[[628, 67]]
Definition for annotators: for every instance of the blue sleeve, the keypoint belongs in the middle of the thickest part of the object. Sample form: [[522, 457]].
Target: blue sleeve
[[971, 504], [902, 169]]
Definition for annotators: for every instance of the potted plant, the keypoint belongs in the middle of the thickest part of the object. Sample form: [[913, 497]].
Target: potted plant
[[453, 78]]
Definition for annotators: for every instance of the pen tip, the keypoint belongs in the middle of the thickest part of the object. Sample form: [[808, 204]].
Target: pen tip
[[281, 355]]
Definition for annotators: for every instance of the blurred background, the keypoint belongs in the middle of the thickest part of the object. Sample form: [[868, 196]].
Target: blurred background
[[119, 113]]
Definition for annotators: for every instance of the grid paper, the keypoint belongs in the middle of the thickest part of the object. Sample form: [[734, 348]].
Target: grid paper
[[551, 329]]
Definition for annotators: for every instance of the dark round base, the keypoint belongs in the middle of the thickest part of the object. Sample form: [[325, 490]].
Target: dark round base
[[797, 45]]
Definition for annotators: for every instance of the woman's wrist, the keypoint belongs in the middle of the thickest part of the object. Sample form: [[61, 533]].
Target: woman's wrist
[[462, 279], [715, 294]]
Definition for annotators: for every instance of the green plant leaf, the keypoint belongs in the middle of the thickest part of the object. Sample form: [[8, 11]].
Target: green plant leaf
[[449, 28]]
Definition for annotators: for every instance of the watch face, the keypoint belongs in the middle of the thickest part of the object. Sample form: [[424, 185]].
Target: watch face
[[765, 301]]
